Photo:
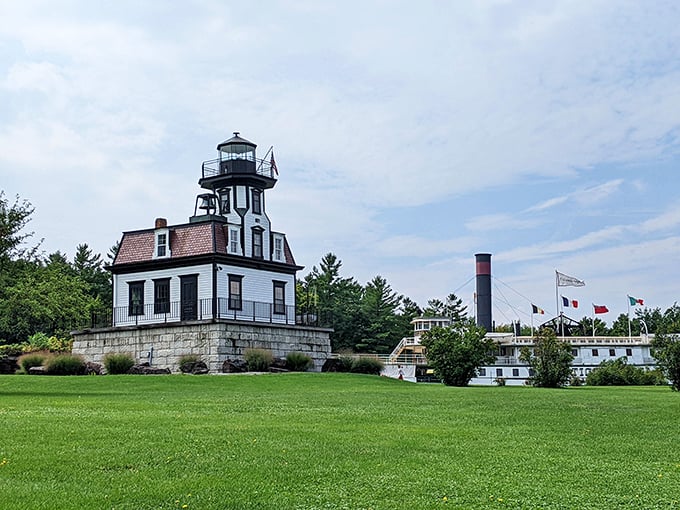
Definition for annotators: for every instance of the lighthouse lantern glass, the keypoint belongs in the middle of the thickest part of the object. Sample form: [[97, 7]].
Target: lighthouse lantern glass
[[238, 151]]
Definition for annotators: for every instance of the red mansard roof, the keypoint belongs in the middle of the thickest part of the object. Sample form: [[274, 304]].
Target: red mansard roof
[[185, 241]]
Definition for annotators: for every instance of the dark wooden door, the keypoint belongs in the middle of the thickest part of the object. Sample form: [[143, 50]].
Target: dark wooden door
[[188, 297]]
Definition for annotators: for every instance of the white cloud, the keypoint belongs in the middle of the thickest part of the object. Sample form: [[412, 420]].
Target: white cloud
[[113, 108]]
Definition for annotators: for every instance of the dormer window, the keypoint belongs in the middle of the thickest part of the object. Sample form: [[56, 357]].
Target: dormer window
[[278, 248], [257, 201], [234, 243], [162, 248]]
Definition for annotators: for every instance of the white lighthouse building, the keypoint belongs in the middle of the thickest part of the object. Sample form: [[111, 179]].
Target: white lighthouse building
[[215, 286]]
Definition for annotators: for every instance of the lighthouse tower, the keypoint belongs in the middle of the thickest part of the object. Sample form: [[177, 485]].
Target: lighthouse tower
[[236, 182]]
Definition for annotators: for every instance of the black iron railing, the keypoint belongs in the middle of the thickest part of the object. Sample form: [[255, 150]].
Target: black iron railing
[[223, 308], [215, 167]]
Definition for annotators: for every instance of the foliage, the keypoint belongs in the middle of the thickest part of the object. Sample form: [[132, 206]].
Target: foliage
[[65, 364], [371, 319], [56, 344], [39, 341], [32, 359], [88, 266], [666, 350], [550, 360], [118, 363], [452, 308], [258, 360], [586, 324], [43, 298], [345, 362], [619, 373], [42, 342], [379, 305], [11, 350], [298, 361], [455, 353], [13, 219], [366, 365]]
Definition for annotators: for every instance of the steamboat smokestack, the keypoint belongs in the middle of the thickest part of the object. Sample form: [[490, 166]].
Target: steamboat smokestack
[[483, 271]]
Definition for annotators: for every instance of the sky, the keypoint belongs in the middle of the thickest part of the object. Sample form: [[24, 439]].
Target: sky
[[408, 136]]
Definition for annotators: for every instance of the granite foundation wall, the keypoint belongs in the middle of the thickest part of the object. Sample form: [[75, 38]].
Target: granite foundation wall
[[163, 344]]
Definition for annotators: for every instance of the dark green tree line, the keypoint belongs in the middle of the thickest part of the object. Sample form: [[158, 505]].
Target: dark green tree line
[[44, 294]]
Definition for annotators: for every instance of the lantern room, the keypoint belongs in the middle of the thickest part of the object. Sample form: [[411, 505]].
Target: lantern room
[[237, 155], [237, 165]]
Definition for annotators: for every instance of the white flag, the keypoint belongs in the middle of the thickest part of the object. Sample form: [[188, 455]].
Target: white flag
[[564, 280]]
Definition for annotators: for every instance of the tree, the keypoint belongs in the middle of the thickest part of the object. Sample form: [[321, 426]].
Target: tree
[[456, 352], [671, 320], [550, 360], [620, 326], [336, 300], [379, 305], [452, 308], [666, 350], [113, 251], [44, 298], [88, 266], [586, 324], [13, 219]]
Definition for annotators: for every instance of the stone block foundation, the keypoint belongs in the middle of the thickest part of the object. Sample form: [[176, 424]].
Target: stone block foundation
[[163, 344]]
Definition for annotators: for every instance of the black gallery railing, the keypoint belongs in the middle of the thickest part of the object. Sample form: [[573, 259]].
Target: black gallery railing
[[222, 308]]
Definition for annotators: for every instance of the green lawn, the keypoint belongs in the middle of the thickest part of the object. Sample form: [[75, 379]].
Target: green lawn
[[332, 441]]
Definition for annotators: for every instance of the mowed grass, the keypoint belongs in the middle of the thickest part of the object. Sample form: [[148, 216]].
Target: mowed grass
[[332, 441]]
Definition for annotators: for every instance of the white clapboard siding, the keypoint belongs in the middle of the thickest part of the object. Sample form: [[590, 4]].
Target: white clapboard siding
[[257, 284], [203, 271]]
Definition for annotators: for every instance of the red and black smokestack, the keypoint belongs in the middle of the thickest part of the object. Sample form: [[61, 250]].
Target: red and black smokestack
[[483, 267]]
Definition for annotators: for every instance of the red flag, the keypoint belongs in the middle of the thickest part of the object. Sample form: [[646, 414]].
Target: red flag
[[600, 309], [273, 164]]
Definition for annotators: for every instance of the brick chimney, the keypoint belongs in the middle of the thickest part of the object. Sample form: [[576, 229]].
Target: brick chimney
[[161, 223]]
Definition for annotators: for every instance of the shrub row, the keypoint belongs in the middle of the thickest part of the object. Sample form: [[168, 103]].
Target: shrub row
[[619, 373], [257, 360], [117, 363], [358, 365]]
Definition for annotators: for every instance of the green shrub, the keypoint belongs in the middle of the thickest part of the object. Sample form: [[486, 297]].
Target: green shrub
[[258, 360], [619, 373], [118, 363], [298, 362], [654, 377], [65, 364], [56, 344], [33, 359], [11, 350], [187, 362], [38, 342], [366, 365], [575, 381], [345, 363]]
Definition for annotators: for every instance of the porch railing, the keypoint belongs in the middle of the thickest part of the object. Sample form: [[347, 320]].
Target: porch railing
[[222, 308]]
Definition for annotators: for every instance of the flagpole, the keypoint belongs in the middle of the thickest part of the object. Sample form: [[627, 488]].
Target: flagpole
[[264, 158], [557, 301], [629, 332], [593, 321], [532, 322]]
